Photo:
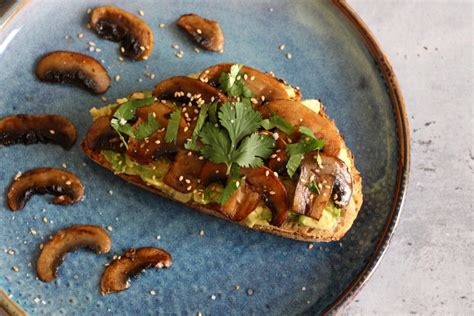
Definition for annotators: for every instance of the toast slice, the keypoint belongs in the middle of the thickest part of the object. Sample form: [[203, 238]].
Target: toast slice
[[265, 197]]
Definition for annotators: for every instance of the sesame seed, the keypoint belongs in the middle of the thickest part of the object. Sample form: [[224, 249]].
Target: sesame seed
[[190, 153], [303, 288], [52, 132], [272, 192], [91, 43], [252, 78], [199, 314], [201, 232], [89, 11], [275, 174], [10, 252], [179, 54], [80, 35], [141, 12], [180, 178], [213, 297], [152, 293], [142, 48], [198, 31], [273, 156], [117, 77], [45, 219], [267, 173], [289, 56], [145, 57], [310, 246], [162, 25], [237, 287], [68, 182], [157, 141], [187, 181], [122, 49], [158, 237], [175, 46], [98, 50], [33, 231], [67, 37], [197, 50], [281, 47], [201, 158], [249, 292], [15, 269], [111, 192], [109, 228], [189, 188]]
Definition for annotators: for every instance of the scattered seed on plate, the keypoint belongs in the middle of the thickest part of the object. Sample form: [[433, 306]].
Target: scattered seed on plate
[[310, 246], [141, 12], [249, 292], [281, 47], [162, 25], [104, 99], [175, 46], [199, 314], [237, 287], [98, 50], [152, 293], [109, 228], [201, 232], [67, 37], [15, 269], [33, 231], [89, 11], [111, 192], [158, 237], [10, 252], [289, 56], [64, 165], [213, 297], [45, 220], [197, 50], [303, 288], [91, 43], [80, 35], [120, 58], [180, 54], [117, 77]]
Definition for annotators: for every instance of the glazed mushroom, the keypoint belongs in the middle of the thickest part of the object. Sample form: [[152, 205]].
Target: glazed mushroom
[[299, 115], [206, 33], [117, 25], [117, 275], [31, 129], [332, 179], [67, 240], [264, 181], [185, 89], [241, 203], [71, 67], [184, 172], [213, 172], [64, 185], [102, 136], [264, 87]]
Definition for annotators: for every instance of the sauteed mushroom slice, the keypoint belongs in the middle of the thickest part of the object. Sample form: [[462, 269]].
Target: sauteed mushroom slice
[[72, 67], [241, 203], [64, 185], [117, 25], [31, 129], [264, 181], [67, 240], [183, 175], [264, 87], [206, 33], [185, 89], [213, 172], [299, 115], [117, 275], [332, 179], [102, 136]]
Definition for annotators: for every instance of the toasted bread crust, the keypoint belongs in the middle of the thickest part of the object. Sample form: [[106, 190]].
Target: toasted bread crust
[[292, 231]]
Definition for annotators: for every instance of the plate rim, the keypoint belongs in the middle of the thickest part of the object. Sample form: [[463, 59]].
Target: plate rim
[[403, 144]]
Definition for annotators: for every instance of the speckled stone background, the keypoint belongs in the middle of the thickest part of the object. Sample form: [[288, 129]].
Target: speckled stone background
[[428, 268]]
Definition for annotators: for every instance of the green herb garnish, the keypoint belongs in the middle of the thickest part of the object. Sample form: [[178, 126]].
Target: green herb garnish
[[191, 144], [173, 126], [147, 128], [278, 122], [213, 113], [313, 186], [233, 84], [297, 151], [233, 184]]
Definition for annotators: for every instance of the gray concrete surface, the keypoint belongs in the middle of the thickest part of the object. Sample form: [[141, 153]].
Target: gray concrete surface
[[428, 268]]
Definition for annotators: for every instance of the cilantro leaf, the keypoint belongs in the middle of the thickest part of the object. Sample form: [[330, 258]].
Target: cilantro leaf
[[313, 186], [233, 184], [191, 144], [232, 84], [239, 120], [217, 145], [147, 128], [293, 163], [213, 113], [306, 131], [173, 126], [278, 122], [305, 145], [126, 111], [253, 150]]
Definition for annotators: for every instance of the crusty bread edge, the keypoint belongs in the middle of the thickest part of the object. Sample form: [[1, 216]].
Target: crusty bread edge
[[297, 232]]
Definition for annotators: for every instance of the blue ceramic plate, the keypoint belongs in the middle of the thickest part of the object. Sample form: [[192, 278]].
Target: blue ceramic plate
[[334, 58]]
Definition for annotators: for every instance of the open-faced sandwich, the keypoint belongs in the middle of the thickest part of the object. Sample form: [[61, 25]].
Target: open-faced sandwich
[[236, 143]]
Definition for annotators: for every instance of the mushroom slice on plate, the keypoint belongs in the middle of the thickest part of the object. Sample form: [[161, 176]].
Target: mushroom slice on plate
[[117, 25], [64, 185], [206, 33], [185, 89], [318, 183], [264, 87], [117, 275], [67, 240], [72, 67], [264, 181], [31, 129]]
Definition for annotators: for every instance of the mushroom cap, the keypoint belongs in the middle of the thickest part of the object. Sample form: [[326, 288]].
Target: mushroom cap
[[118, 273], [64, 185], [206, 33], [72, 67], [262, 85], [31, 129], [102, 136], [117, 25], [67, 240]]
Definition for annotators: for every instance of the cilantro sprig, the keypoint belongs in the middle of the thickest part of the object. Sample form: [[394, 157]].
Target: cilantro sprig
[[191, 144], [296, 151], [234, 141], [126, 112], [173, 126], [233, 84], [278, 122]]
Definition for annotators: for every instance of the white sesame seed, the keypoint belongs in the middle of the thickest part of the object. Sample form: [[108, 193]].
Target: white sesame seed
[[158, 237], [189, 188], [272, 192], [33, 231], [303, 288], [198, 31], [109, 228], [10, 252], [152, 293], [197, 50], [310, 246], [281, 47], [122, 49], [111, 192], [252, 78], [249, 292], [201, 232], [15, 269], [289, 56], [52, 132], [187, 181], [69, 182], [80, 35], [145, 57], [45, 219], [213, 297], [162, 25], [91, 43], [267, 173], [98, 50], [175, 46], [180, 178], [142, 48], [120, 58], [117, 77], [141, 12]]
